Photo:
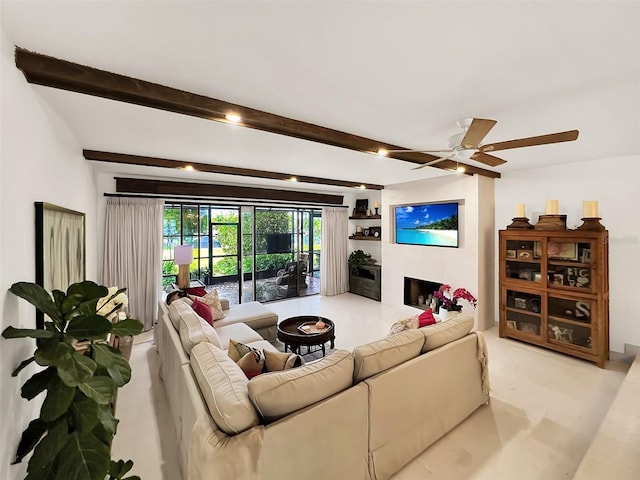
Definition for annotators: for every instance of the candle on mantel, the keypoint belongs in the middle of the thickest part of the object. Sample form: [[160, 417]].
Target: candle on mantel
[[376, 204], [590, 209], [520, 211], [551, 208]]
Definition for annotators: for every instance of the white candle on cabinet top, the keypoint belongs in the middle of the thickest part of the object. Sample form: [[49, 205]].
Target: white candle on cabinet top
[[590, 209], [551, 207], [520, 211]]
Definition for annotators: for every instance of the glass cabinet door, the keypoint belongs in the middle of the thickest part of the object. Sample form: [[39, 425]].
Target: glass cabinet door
[[523, 260], [569, 321], [569, 265], [523, 312]]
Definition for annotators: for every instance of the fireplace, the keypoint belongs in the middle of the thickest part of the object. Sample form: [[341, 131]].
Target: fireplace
[[419, 293]]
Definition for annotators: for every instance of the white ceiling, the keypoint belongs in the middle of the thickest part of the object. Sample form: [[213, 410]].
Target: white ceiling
[[399, 72]]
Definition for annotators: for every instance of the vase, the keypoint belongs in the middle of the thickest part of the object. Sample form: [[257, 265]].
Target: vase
[[445, 314]]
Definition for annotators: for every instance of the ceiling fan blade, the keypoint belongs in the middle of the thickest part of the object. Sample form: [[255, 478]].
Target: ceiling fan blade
[[477, 131], [567, 136], [432, 162], [444, 150], [487, 159]]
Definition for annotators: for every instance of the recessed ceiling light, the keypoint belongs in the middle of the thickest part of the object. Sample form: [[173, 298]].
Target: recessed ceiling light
[[383, 152], [233, 117], [293, 179], [460, 169], [362, 187], [188, 168]]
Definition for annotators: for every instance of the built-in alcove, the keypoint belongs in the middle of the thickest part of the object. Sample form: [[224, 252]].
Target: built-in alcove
[[419, 293]]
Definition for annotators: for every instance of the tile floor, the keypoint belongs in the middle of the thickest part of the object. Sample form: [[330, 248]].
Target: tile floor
[[545, 407]]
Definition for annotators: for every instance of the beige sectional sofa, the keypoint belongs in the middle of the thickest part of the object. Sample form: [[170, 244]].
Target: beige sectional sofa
[[357, 415]]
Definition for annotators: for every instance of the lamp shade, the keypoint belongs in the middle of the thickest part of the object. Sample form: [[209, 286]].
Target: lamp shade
[[183, 254]]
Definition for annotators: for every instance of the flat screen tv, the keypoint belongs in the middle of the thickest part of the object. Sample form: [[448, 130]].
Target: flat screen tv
[[432, 224], [278, 242]]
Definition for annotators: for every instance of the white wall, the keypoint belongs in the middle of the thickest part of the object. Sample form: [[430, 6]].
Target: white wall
[[615, 183], [465, 266], [40, 161]]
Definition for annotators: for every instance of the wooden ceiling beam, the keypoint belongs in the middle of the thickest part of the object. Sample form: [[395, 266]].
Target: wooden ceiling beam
[[127, 159], [189, 189], [52, 72]]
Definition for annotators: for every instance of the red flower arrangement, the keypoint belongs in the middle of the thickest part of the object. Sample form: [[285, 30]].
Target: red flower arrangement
[[450, 302]]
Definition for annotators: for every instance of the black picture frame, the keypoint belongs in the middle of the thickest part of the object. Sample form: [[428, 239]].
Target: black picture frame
[[361, 206], [60, 248]]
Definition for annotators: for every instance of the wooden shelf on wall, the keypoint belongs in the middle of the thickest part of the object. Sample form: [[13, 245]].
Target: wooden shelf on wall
[[364, 217], [363, 237]]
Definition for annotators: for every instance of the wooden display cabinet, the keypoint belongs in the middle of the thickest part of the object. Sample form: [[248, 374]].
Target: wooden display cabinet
[[554, 290]]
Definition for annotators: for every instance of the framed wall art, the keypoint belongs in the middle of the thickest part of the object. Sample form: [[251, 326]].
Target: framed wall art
[[60, 248]]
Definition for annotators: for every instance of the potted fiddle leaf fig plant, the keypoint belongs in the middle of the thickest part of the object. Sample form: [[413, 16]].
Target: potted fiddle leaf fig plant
[[358, 258], [81, 371]]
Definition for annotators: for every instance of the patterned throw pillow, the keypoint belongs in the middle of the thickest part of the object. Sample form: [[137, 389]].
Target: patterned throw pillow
[[276, 361], [402, 325], [249, 359], [213, 300]]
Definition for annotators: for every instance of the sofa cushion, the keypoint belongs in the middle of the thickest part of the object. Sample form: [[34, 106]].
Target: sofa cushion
[[237, 350], [276, 361], [444, 332], [224, 387], [238, 331], [177, 308], [254, 314], [194, 329], [278, 394], [376, 357], [252, 363]]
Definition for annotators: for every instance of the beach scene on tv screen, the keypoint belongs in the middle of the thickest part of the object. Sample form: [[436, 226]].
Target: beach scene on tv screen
[[433, 224]]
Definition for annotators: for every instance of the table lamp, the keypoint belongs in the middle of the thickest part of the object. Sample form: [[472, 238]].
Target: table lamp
[[183, 256]]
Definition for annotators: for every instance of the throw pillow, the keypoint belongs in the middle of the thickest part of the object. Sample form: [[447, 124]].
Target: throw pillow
[[238, 350], [213, 300], [426, 318], [252, 363], [197, 291], [276, 361], [203, 310], [402, 325]]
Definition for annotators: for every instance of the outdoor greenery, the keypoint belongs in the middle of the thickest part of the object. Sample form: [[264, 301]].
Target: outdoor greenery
[[71, 438], [183, 226]]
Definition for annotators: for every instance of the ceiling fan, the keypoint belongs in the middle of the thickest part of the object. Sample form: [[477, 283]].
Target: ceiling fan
[[466, 145]]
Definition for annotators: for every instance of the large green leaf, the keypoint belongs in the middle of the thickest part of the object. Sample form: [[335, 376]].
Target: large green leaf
[[37, 383], [12, 332], [88, 290], [127, 327], [76, 369], [85, 413], [30, 437], [93, 327], [99, 388], [108, 423], [58, 400], [70, 302], [46, 452], [53, 353], [58, 298], [38, 297], [22, 365], [114, 363], [84, 457]]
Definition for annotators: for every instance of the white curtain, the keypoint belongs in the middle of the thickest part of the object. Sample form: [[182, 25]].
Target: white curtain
[[334, 276], [133, 253]]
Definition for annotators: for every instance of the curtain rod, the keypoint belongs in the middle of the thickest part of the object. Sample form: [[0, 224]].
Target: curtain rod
[[219, 199]]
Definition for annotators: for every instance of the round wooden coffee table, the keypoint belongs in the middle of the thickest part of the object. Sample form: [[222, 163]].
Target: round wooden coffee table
[[293, 338]]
